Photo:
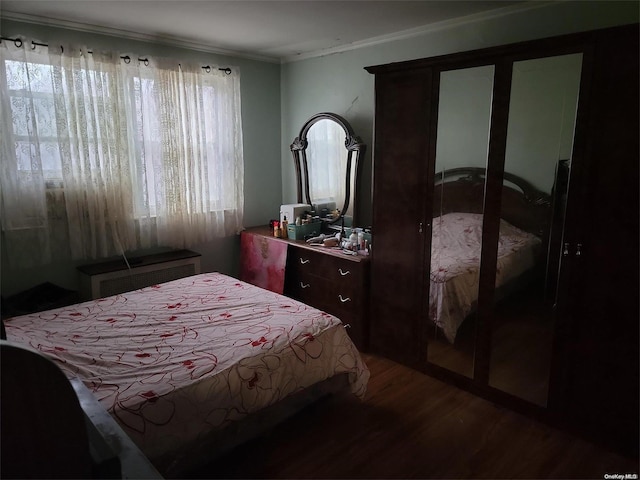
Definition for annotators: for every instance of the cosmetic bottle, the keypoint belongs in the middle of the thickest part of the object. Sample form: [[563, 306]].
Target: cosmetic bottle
[[284, 226], [353, 240]]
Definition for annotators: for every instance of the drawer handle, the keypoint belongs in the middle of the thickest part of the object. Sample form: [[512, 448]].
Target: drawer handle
[[304, 285], [344, 273], [303, 261], [344, 300]]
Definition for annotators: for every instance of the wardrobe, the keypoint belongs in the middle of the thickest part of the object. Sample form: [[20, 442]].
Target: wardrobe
[[527, 153]]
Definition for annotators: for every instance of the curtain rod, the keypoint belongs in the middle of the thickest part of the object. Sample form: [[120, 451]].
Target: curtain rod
[[127, 59]]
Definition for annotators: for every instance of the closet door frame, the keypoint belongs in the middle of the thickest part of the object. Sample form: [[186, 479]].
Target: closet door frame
[[596, 390], [398, 250]]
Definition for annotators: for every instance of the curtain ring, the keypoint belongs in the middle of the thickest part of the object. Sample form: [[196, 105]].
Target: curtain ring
[[17, 42], [127, 59], [146, 62], [207, 69], [33, 46]]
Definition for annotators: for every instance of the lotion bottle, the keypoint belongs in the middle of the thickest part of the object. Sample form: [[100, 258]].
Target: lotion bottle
[[353, 239]]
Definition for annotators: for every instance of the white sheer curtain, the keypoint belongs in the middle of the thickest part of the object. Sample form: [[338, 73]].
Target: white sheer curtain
[[192, 168], [100, 156], [91, 120]]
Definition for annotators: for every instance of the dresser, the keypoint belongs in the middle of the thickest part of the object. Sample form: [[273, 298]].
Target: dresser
[[324, 278]]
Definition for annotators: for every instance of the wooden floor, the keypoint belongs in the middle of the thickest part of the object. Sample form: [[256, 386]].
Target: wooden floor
[[521, 345], [413, 426]]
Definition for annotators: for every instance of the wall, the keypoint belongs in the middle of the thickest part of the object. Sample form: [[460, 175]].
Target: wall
[[260, 89], [338, 82], [542, 112], [295, 91]]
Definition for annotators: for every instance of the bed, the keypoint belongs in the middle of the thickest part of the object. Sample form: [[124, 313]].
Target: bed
[[456, 243], [186, 365]]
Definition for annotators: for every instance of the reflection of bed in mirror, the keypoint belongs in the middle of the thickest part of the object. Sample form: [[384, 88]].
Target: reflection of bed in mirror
[[457, 242]]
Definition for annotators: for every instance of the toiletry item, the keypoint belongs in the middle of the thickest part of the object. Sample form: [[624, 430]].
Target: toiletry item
[[284, 227], [276, 229], [330, 242], [360, 240], [353, 239], [292, 211], [318, 239], [298, 221]]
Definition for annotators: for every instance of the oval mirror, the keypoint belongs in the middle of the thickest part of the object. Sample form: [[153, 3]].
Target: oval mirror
[[326, 156]]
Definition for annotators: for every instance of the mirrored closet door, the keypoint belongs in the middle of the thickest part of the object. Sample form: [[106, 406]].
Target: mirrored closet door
[[539, 144], [464, 115], [524, 216]]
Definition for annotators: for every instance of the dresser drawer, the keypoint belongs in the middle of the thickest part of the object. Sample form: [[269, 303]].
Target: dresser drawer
[[333, 283], [307, 262], [309, 289], [324, 294], [301, 262], [323, 278], [350, 313], [347, 298], [355, 321]]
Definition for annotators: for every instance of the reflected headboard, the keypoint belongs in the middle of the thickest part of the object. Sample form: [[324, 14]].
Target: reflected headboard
[[462, 190]]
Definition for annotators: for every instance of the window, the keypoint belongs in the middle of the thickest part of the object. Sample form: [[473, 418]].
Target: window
[[146, 154], [31, 98]]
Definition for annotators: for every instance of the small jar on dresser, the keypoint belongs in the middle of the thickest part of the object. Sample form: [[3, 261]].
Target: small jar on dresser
[[325, 278]]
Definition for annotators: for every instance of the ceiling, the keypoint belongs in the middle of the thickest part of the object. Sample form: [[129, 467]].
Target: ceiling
[[277, 31]]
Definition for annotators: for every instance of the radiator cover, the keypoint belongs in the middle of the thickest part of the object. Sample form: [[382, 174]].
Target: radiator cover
[[115, 277]]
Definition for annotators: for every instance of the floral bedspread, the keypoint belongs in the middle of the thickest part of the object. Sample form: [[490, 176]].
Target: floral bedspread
[[455, 265], [173, 361]]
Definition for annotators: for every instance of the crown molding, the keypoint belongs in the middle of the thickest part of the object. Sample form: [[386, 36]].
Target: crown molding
[[423, 30], [178, 42], [114, 32]]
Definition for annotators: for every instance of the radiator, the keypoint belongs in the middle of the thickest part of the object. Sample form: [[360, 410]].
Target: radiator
[[115, 277]]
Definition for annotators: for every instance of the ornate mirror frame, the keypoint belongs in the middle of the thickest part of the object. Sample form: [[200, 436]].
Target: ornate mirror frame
[[355, 150]]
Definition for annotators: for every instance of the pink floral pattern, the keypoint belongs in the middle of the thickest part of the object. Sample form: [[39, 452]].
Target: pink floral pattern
[[173, 361], [455, 265], [263, 261]]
